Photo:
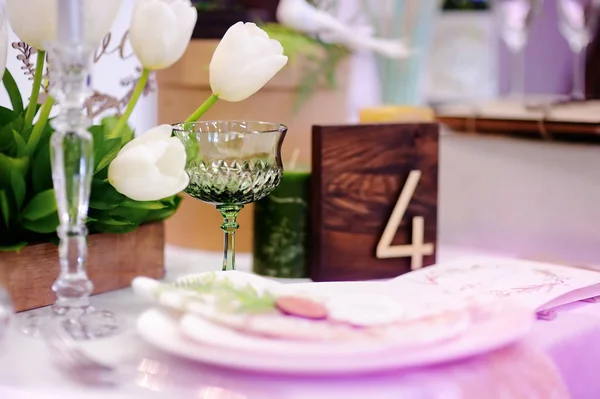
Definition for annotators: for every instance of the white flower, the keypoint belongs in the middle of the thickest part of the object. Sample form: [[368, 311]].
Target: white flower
[[150, 167], [35, 21], [160, 31], [244, 61]]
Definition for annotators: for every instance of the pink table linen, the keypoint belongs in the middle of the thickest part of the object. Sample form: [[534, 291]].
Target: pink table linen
[[559, 359]]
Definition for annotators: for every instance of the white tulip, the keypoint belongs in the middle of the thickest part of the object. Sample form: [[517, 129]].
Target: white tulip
[[161, 30], [35, 21], [244, 61], [150, 167]]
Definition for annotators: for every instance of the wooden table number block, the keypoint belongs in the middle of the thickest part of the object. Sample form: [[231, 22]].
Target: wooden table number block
[[374, 195]]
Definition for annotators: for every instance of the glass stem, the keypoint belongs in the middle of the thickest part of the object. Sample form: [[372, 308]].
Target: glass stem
[[578, 91], [517, 78], [229, 226]]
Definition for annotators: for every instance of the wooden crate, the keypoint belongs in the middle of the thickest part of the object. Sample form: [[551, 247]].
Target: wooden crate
[[113, 261]]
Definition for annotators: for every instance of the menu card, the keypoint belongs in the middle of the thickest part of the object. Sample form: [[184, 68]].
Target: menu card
[[539, 286]]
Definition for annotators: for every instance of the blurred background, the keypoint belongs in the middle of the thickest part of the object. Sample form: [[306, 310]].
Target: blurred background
[[497, 193]]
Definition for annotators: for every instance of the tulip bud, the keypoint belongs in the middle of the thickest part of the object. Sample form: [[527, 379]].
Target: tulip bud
[[160, 31], [244, 61], [35, 21], [150, 167]]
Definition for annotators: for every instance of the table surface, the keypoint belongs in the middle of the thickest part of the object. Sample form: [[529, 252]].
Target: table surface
[[26, 369]]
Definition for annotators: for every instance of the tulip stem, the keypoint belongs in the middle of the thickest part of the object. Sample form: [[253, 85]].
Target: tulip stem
[[210, 101], [135, 96], [35, 89], [38, 129]]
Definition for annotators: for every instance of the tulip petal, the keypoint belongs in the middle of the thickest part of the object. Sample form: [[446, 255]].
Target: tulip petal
[[251, 79], [182, 183], [98, 18], [160, 31], [173, 160], [130, 164], [186, 16], [154, 186], [244, 61], [253, 30], [153, 28], [34, 21], [232, 39], [150, 167], [161, 132]]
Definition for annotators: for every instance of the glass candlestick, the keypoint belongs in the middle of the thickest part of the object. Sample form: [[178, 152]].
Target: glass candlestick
[[71, 149], [72, 169]]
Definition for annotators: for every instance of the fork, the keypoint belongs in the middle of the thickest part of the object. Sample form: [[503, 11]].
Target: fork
[[73, 359]]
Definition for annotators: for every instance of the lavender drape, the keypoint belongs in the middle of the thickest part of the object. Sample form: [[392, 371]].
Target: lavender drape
[[549, 61]]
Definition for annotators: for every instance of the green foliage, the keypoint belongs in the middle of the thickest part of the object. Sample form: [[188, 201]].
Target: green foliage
[[320, 60], [228, 296], [28, 210]]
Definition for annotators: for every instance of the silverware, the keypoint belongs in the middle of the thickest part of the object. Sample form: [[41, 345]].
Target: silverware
[[70, 357]]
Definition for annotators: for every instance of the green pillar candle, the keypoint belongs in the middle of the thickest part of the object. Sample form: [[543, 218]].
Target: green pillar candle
[[281, 228]]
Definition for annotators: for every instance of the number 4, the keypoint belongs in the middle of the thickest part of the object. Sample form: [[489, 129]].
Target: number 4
[[417, 249]]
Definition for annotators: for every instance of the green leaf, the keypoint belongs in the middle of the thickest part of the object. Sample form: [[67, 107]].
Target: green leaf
[[17, 123], [159, 215], [40, 206], [109, 123], [104, 196], [19, 187], [26, 133], [14, 247], [111, 150], [5, 208], [108, 224], [7, 116], [7, 164], [41, 175], [129, 215], [7, 140], [44, 225], [150, 205], [105, 148], [162, 214], [108, 220], [13, 91], [173, 200], [20, 144]]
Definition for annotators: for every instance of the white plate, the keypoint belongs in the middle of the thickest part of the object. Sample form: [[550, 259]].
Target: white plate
[[163, 330]]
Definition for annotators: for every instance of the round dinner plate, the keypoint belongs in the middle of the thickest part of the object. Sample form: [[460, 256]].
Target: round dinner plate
[[166, 331]]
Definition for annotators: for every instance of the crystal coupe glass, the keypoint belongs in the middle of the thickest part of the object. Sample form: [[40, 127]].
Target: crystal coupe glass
[[231, 163]]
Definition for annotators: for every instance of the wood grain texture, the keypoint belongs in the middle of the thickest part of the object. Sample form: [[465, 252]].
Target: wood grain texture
[[561, 131], [358, 174], [114, 260]]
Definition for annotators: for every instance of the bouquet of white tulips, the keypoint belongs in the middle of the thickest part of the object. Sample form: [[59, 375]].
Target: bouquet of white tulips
[[136, 180]]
